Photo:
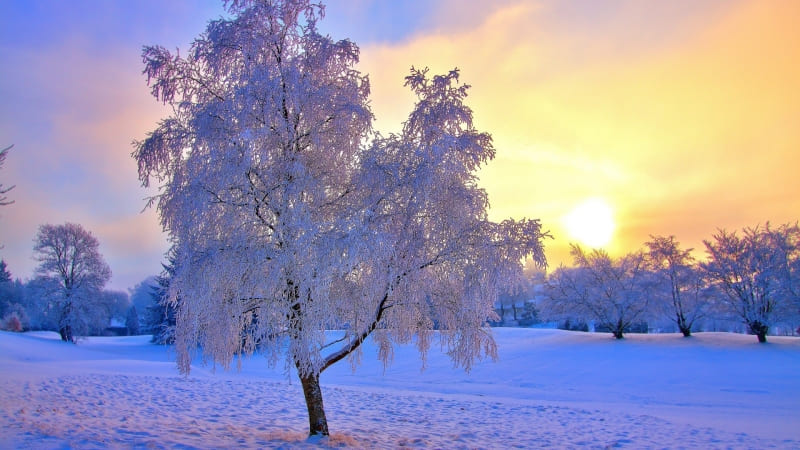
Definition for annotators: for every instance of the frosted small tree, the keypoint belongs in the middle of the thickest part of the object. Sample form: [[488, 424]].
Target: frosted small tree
[[5, 275], [70, 276], [680, 291], [757, 273], [11, 299], [161, 315], [286, 225], [132, 321], [141, 295], [613, 293]]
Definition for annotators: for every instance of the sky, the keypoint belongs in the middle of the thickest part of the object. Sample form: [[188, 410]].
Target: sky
[[680, 117]]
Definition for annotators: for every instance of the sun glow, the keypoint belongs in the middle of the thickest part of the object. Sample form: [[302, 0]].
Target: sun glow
[[591, 223]]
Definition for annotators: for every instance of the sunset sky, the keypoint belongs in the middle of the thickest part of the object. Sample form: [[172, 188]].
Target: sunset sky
[[681, 116]]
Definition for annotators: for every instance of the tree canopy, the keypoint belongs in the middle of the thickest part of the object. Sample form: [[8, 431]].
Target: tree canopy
[[71, 275], [290, 217], [758, 273]]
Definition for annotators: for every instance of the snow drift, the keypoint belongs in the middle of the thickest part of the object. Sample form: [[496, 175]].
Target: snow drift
[[548, 388]]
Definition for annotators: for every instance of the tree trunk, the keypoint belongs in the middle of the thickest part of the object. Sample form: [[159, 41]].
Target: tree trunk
[[65, 330], [317, 423], [760, 330], [619, 329], [66, 333], [682, 325]]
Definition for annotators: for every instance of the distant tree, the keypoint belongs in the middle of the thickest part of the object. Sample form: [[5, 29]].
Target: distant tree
[[115, 304], [11, 293], [288, 225], [162, 314], [132, 321], [514, 300], [613, 293], [70, 276], [36, 306], [141, 295], [680, 291], [12, 311], [757, 272], [5, 275], [4, 190], [530, 314]]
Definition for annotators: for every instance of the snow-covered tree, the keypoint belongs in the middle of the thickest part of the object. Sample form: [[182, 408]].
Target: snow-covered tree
[[5, 275], [680, 291], [161, 315], [4, 190], [70, 276], [757, 272], [141, 295], [12, 310], [132, 321], [287, 225], [116, 303], [613, 292]]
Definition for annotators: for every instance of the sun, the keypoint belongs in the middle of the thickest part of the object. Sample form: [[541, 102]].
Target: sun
[[591, 223]]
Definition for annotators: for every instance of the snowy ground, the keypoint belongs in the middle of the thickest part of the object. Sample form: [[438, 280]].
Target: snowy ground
[[550, 388]]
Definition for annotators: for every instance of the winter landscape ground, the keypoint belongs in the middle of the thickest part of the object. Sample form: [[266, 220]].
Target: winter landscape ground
[[549, 388]]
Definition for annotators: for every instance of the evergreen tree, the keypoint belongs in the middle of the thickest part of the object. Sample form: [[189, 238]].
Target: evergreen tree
[[5, 275], [132, 321], [162, 314]]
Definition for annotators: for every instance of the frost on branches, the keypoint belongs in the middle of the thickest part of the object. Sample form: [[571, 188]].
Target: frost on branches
[[3, 191], [613, 292], [681, 293], [287, 222], [758, 273], [70, 276]]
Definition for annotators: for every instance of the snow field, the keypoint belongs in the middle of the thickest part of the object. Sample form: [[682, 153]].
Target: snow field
[[549, 389]]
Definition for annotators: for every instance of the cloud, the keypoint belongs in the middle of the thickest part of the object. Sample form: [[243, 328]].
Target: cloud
[[684, 130], [71, 114], [681, 114]]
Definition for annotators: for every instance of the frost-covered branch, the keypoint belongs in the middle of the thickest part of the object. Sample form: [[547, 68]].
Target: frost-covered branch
[[5, 190], [291, 218]]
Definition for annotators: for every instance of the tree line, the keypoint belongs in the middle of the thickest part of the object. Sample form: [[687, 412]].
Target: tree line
[[752, 276], [68, 291]]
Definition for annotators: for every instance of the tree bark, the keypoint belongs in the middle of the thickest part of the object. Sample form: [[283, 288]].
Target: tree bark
[[317, 423], [683, 326], [760, 330], [619, 329], [65, 330], [66, 333]]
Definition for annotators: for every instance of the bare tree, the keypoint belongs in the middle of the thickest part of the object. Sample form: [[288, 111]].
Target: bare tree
[[757, 272], [613, 293], [680, 290], [70, 276], [287, 224], [4, 190]]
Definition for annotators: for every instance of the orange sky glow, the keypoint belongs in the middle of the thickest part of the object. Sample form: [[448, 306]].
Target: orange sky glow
[[684, 128], [683, 116]]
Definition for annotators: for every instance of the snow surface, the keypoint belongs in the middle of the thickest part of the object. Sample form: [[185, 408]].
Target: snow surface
[[550, 388]]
